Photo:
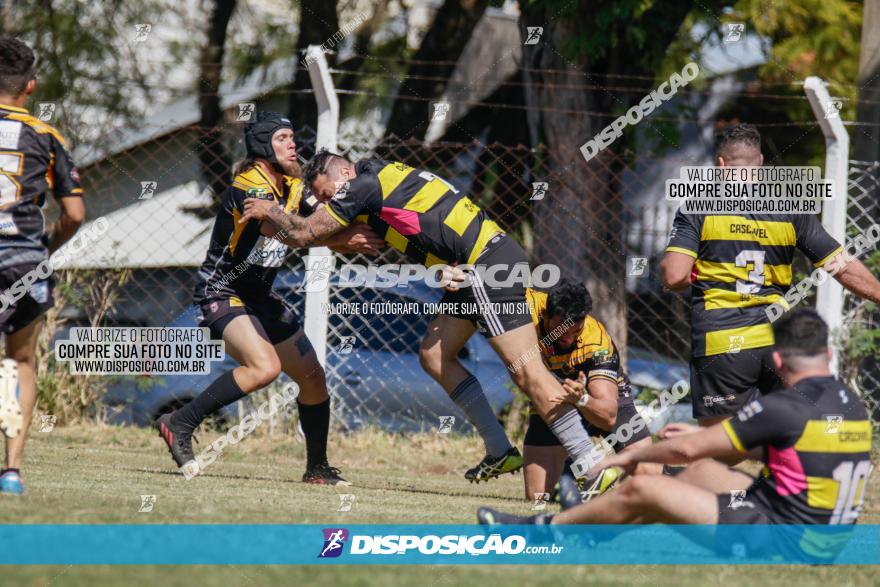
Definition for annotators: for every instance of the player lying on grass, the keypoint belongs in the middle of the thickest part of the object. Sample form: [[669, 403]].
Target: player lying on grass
[[33, 161], [433, 223], [234, 295], [579, 351], [814, 438]]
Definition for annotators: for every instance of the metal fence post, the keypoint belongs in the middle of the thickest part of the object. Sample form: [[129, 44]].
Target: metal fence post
[[320, 258], [829, 297]]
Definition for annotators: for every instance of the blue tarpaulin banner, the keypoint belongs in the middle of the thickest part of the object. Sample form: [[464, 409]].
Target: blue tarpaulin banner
[[279, 544]]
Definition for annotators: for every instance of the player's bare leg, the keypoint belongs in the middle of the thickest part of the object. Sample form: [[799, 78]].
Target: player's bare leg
[[644, 468], [520, 351], [714, 476], [438, 355], [438, 352], [542, 469], [300, 361], [21, 348], [259, 366]]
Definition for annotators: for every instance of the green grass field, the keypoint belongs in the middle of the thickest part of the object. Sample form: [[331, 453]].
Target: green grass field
[[97, 475]]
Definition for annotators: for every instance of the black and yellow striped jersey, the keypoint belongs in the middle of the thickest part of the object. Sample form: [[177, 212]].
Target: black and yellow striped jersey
[[415, 211], [33, 161], [594, 354], [241, 261], [816, 440], [743, 264]]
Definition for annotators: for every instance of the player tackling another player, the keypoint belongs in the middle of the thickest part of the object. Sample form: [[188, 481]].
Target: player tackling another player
[[33, 161], [813, 437], [585, 359], [236, 301], [433, 223]]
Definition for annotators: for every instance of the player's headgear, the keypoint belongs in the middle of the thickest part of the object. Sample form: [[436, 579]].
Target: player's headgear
[[258, 135]]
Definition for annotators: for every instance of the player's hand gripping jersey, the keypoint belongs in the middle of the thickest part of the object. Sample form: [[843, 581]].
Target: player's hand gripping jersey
[[242, 262], [595, 355], [416, 212], [817, 439], [743, 264], [33, 161]]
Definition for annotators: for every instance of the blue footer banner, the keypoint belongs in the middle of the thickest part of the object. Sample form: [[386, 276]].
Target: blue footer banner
[[186, 544]]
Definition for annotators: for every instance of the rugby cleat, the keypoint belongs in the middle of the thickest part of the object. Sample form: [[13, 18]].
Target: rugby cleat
[[567, 491], [324, 474], [10, 484], [490, 517], [10, 410], [596, 486], [178, 440], [491, 467]]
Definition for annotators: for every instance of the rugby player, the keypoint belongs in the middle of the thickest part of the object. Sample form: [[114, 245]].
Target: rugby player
[[814, 438], [580, 352], [33, 161], [741, 265], [434, 224], [234, 295]]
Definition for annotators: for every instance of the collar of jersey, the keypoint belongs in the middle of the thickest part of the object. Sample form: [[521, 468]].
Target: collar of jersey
[[13, 108]]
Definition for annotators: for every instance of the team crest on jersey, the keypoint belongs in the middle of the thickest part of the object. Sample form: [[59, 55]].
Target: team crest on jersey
[[259, 193]]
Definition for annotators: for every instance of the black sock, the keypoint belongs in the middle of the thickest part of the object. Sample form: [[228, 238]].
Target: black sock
[[315, 422], [222, 392]]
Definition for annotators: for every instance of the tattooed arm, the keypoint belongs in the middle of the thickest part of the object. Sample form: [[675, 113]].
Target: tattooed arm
[[294, 230]]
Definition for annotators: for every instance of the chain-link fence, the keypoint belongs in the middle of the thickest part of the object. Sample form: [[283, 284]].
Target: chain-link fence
[[607, 228], [859, 360], [160, 218]]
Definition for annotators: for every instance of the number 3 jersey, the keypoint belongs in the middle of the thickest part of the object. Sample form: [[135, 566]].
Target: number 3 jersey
[[33, 161], [743, 264], [241, 261], [816, 438]]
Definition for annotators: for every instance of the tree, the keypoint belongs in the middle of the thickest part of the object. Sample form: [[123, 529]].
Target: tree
[[578, 226], [95, 75], [318, 22], [432, 65], [214, 157], [867, 139]]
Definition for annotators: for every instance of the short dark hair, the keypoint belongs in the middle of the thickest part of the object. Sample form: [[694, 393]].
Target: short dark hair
[[16, 66], [801, 332], [324, 162], [737, 134], [569, 300]]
